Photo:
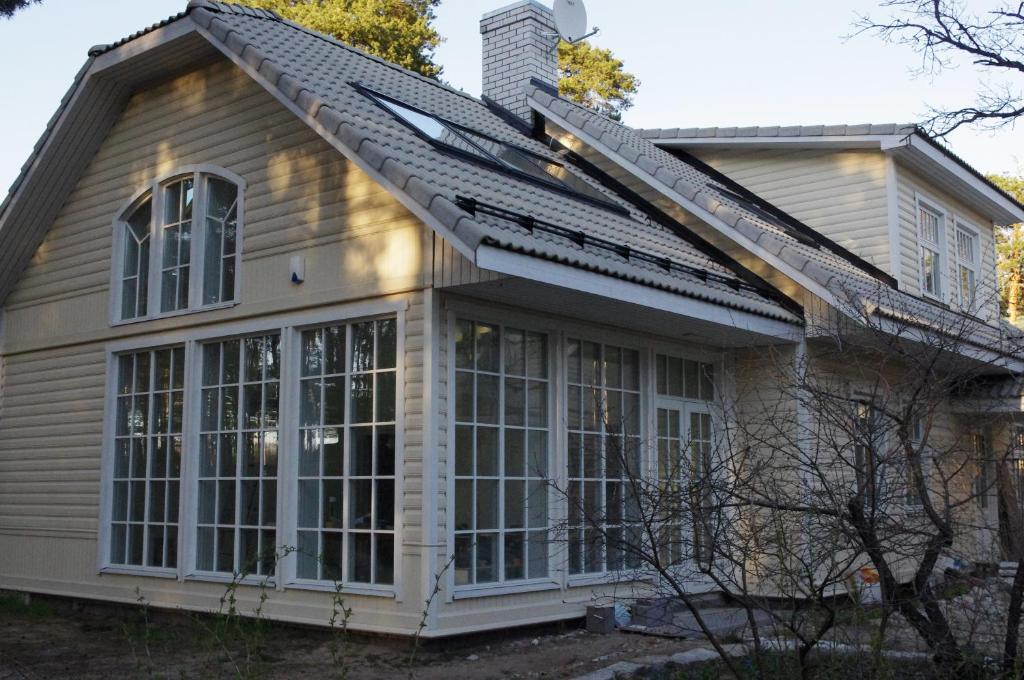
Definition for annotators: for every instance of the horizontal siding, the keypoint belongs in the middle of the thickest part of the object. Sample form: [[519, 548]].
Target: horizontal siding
[[300, 190], [51, 438], [842, 194], [909, 187]]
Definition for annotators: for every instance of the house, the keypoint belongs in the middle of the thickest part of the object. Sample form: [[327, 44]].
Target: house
[[266, 296]]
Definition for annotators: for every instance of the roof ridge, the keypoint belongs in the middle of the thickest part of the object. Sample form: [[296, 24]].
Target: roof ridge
[[238, 8]]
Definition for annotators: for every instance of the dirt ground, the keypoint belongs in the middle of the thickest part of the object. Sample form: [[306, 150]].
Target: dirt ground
[[58, 639]]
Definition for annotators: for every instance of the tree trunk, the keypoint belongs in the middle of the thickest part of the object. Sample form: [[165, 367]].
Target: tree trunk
[[1013, 622]]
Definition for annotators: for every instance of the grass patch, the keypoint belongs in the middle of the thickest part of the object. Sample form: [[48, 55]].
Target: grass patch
[[13, 605]]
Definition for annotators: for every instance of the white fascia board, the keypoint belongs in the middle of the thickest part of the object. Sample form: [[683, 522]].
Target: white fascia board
[[557, 274], [705, 216], [144, 43], [1009, 213], [809, 142]]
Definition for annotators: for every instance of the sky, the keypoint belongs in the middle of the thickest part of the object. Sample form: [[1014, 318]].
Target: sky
[[707, 63]]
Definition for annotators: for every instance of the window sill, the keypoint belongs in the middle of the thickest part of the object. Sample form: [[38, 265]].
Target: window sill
[[171, 315], [210, 577], [635, 576], [495, 590], [151, 572], [346, 589]]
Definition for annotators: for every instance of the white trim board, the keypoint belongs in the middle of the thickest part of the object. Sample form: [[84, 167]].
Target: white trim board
[[553, 273]]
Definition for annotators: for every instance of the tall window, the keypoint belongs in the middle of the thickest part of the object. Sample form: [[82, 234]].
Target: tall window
[[604, 456], [177, 244], [186, 231], [685, 441], [913, 496], [985, 477], [346, 488], [966, 265], [147, 458], [220, 241], [930, 225], [238, 456], [135, 261], [502, 396]]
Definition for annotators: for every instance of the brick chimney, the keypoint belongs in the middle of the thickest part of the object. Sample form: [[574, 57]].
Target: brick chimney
[[518, 46]]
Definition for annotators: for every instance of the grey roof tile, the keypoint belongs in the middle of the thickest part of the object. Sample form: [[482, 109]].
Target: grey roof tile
[[848, 284]]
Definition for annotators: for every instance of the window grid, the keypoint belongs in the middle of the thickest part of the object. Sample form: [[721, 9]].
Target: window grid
[[500, 507], [967, 266], [147, 458], [346, 473], [929, 236], [176, 232], [604, 455], [238, 456], [135, 264], [220, 241], [684, 451]]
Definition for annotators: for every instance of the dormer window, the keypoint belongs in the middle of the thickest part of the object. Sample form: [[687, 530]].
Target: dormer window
[[185, 230], [930, 226]]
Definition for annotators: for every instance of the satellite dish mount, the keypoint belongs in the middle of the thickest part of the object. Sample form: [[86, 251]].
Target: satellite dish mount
[[570, 22]]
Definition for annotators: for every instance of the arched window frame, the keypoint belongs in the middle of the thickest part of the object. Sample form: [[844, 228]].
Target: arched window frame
[[155, 191]]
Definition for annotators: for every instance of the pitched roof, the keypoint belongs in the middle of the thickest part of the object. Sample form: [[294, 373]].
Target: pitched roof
[[321, 80], [823, 267], [835, 135]]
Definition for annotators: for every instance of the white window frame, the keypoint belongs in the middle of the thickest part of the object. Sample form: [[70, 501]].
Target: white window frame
[[962, 225], [939, 248], [154, 190], [289, 326], [488, 315]]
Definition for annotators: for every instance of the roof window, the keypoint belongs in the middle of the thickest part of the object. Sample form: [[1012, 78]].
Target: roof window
[[492, 151]]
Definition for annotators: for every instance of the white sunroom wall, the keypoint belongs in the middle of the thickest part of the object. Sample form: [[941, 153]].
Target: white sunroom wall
[[560, 595]]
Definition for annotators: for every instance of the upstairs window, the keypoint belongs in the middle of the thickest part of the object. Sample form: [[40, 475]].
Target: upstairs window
[[186, 231], [930, 224], [966, 265], [135, 231]]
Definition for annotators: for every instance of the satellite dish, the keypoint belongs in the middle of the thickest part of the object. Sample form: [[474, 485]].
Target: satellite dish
[[571, 20]]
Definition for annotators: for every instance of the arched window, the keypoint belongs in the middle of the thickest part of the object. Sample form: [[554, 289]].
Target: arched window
[[185, 230]]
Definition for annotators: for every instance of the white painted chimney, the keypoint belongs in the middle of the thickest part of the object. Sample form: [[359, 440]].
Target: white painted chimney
[[518, 42]]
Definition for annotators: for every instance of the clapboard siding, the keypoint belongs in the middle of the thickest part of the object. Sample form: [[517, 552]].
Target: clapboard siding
[[51, 436], [909, 187], [302, 196], [298, 186], [842, 194]]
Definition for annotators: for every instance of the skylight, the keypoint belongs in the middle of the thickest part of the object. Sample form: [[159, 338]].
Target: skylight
[[493, 151]]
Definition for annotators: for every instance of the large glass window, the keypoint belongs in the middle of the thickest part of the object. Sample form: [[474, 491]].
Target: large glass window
[[177, 244], [346, 467], [193, 249], [930, 226], [502, 401], [603, 456], [238, 456], [135, 261], [685, 389], [147, 458], [220, 241]]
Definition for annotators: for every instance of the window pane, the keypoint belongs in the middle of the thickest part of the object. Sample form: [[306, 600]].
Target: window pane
[[146, 467], [347, 470], [501, 388], [238, 493]]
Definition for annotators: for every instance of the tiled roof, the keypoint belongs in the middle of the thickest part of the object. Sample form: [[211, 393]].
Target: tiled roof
[[842, 130], [318, 74], [851, 287]]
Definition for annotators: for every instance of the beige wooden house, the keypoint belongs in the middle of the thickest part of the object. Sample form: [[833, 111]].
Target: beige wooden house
[[262, 292]]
